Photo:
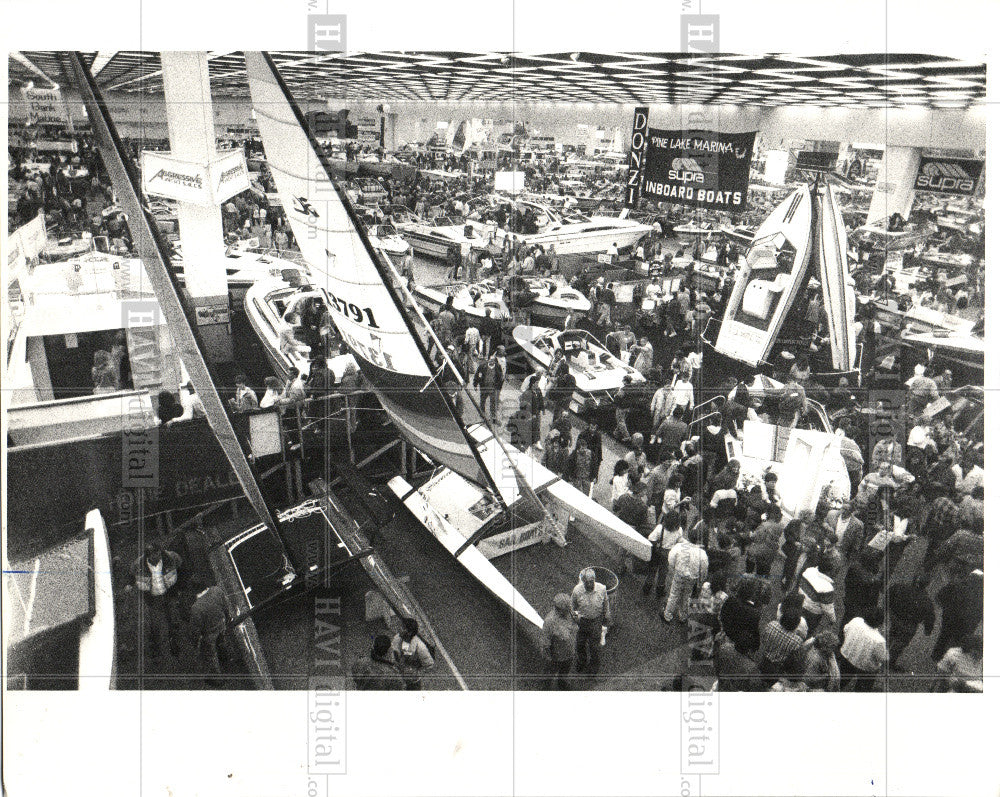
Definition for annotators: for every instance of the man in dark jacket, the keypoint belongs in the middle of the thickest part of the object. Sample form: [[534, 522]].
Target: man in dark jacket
[[489, 380]]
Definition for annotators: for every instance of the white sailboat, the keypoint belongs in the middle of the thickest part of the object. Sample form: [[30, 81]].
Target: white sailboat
[[378, 321]]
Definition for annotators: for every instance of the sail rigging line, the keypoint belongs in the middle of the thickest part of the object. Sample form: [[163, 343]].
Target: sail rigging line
[[376, 261], [153, 254]]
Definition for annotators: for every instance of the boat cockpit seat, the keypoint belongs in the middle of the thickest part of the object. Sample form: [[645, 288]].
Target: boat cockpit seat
[[760, 295]]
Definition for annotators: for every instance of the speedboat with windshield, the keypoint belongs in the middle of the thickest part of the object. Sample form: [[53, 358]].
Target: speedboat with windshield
[[572, 232], [598, 373]]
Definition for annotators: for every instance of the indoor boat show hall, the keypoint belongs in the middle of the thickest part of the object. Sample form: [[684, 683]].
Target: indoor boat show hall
[[648, 376]]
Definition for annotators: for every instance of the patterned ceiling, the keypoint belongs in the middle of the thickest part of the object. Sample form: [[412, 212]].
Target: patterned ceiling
[[871, 80]]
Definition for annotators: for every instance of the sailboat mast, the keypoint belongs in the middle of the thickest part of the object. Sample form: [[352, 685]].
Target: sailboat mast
[[154, 255]]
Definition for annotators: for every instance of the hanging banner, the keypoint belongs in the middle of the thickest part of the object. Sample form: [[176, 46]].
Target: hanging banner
[[173, 178], [637, 146], [45, 106], [228, 175], [698, 167], [957, 176]]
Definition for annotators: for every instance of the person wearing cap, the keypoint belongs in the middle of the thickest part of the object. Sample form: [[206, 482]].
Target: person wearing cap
[[559, 632], [592, 609]]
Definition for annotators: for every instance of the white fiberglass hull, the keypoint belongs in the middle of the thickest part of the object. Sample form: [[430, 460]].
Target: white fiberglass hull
[[471, 558], [598, 373], [768, 282], [838, 298], [570, 241]]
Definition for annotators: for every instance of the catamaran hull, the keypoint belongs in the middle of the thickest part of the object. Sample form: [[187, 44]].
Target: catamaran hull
[[838, 300], [471, 558]]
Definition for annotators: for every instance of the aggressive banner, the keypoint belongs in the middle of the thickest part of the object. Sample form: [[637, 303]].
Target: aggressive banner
[[948, 175], [637, 147], [698, 167], [229, 175], [173, 178]]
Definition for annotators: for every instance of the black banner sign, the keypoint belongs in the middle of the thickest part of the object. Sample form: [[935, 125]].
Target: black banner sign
[[698, 167], [637, 146], [948, 175]]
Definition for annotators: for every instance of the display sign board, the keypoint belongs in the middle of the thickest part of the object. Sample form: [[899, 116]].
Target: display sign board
[[509, 182], [958, 176], [204, 184], [26, 242], [637, 148], [229, 175], [698, 167], [45, 106], [173, 178]]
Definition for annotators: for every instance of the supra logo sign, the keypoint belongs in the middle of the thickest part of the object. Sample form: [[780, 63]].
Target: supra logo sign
[[948, 177], [686, 170]]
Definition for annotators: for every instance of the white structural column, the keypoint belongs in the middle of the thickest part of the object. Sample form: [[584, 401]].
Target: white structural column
[[191, 127], [894, 187]]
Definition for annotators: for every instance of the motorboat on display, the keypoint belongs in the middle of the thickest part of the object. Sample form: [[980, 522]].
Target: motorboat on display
[[963, 350], [915, 318], [548, 300], [741, 234], [61, 619], [598, 373], [438, 237], [473, 300], [386, 238], [408, 369], [268, 302], [693, 229], [62, 315], [571, 232], [768, 281]]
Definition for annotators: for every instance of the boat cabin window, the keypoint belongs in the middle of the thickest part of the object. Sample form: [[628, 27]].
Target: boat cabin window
[[76, 369]]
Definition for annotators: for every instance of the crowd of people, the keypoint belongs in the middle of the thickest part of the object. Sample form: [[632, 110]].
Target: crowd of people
[[815, 601]]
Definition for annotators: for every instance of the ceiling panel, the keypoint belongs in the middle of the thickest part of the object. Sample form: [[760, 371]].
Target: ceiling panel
[[869, 80]]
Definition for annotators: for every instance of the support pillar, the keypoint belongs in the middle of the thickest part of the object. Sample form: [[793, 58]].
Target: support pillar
[[191, 127]]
